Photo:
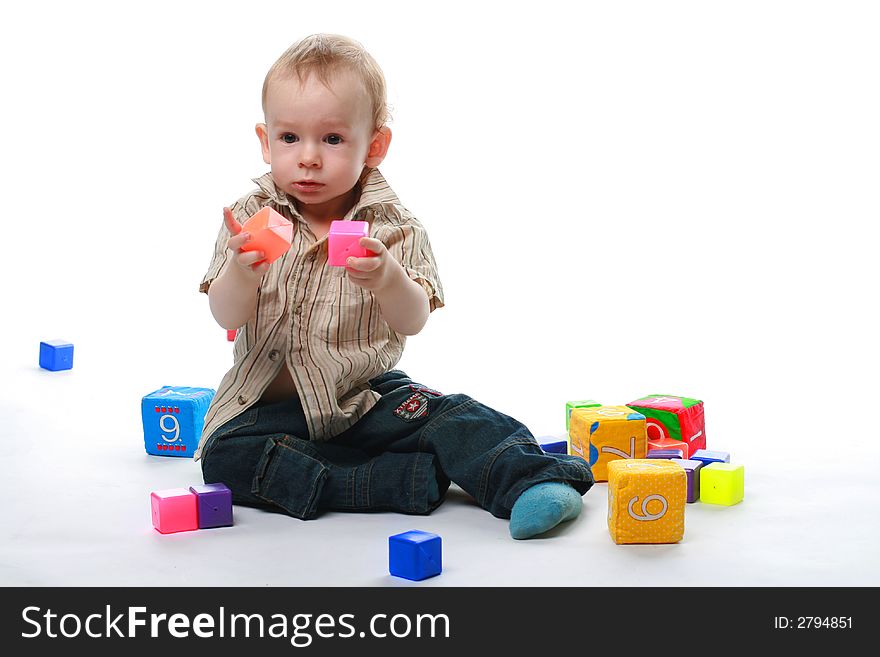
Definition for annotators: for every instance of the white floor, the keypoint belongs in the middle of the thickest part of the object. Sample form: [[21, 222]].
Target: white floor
[[76, 512]]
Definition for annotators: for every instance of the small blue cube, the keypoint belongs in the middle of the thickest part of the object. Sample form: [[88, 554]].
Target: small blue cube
[[552, 445], [56, 355], [708, 456], [415, 555]]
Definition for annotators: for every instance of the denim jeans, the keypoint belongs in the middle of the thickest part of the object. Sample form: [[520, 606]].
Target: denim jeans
[[400, 456]]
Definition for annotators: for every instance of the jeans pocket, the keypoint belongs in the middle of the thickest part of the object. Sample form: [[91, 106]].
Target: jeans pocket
[[290, 478], [231, 428]]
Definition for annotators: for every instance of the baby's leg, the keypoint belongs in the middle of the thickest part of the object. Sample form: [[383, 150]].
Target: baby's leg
[[492, 456], [259, 457]]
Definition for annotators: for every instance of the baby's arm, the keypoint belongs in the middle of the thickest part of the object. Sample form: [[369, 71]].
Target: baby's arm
[[233, 294], [402, 302]]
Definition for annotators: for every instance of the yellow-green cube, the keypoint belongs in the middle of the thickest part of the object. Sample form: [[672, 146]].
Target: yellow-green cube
[[570, 406], [722, 483]]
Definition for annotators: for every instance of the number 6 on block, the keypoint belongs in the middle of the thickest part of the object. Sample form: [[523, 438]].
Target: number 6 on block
[[646, 500]]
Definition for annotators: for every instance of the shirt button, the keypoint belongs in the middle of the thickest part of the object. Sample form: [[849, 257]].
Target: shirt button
[[312, 256], [242, 400], [273, 355], [298, 311]]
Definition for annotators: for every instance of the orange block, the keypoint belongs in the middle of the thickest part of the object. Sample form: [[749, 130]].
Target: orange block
[[646, 500], [270, 233]]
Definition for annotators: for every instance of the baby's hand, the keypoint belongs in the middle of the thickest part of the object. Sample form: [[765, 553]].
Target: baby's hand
[[373, 272], [251, 262]]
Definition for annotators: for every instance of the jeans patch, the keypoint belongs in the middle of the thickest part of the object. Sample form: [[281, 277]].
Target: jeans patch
[[414, 408], [415, 387]]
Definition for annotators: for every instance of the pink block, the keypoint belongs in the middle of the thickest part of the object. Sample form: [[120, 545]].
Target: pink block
[[270, 233], [230, 335], [174, 510], [343, 241], [671, 443]]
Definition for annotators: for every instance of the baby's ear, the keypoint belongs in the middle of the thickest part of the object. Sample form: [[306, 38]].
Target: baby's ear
[[263, 133], [379, 147]]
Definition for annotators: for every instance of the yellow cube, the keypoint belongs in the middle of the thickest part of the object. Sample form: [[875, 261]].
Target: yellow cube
[[722, 483], [570, 406], [606, 433], [646, 500]]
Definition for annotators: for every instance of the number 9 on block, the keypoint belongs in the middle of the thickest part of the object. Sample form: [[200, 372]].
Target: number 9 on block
[[173, 419]]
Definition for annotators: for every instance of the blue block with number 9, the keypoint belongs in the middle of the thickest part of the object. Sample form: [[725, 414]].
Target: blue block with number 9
[[173, 419]]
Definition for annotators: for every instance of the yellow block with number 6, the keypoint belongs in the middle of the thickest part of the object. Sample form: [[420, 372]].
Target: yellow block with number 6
[[646, 501]]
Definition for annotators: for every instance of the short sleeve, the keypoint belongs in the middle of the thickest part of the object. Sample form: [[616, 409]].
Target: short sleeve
[[407, 241], [241, 210]]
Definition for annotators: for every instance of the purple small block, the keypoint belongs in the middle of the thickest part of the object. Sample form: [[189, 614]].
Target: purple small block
[[214, 504], [708, 456], [665, 454], [692, 470]]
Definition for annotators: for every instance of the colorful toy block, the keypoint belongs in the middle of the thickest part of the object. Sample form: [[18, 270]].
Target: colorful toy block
[[174, 510], [553, 445], [602, 434], [415, 555], [669, 416], [722, 483], [56, 355], [646, 500], [173, 418], [665, 454], [708, 456], [270, 232], [230, 335], [692, 470], [670, 443], [343, 241], [213, 504], [570, 406]]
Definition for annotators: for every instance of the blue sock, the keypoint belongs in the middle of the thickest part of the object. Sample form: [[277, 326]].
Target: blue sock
[[542, 507]]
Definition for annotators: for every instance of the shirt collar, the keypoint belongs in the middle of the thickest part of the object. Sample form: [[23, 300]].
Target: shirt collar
[[375, 190]]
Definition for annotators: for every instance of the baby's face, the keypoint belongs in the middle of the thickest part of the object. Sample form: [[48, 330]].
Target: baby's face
[[317, 139]]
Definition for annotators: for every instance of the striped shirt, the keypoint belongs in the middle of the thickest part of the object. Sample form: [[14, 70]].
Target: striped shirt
[[310, 318]]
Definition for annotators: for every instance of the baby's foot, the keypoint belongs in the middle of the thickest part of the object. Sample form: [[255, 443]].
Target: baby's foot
[[542, 507]]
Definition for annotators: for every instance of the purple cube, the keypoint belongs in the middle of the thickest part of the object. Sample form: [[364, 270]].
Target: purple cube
[[214, 504], [665, 454], [708, 456], [692, 470]]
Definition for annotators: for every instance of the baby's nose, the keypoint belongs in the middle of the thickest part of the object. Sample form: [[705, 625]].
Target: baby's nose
[[309, 156]]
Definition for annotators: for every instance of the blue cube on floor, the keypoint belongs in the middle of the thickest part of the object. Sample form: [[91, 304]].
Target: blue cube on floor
[[56, 355], [553, 445], [213, 505], [708, 456], [414, 555], [173, 419]]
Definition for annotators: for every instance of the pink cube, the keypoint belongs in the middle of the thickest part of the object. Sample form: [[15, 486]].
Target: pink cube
[[270, 232], [343, 241], [174, 510]]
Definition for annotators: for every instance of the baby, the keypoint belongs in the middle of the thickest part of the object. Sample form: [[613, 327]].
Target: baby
[[313, 416]]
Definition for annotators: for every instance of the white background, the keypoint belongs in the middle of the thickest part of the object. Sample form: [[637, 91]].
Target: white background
[[648, 197]]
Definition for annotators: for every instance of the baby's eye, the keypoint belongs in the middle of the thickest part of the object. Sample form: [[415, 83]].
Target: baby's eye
[[334, 140], [288, 138]]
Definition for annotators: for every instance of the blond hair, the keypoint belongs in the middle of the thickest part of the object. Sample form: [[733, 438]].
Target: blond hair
[[326, 54]]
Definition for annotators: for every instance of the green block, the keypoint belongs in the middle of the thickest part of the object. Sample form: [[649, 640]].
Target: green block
[[570, 406], [722, 483], [667, 418]]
